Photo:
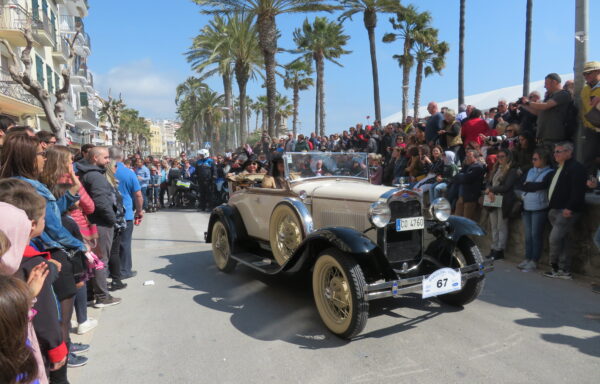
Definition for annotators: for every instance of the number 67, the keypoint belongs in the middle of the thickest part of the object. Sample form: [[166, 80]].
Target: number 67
[[441, 283]]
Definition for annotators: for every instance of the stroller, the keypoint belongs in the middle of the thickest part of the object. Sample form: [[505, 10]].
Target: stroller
[[153, 191]]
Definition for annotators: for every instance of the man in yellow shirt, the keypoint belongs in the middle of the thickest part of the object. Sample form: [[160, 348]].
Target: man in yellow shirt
[[590, 98]]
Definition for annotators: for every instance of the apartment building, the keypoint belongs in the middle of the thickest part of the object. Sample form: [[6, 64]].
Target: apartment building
[[156, 139], [54, 23]]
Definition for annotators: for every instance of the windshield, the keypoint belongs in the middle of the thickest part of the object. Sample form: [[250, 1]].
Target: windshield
[[303, 165]]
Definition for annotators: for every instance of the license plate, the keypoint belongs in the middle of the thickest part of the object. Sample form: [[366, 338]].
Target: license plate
[[410, 224], [442, 281]]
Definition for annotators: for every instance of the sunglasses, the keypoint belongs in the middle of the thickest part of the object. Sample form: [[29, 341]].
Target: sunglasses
[[560, 151]]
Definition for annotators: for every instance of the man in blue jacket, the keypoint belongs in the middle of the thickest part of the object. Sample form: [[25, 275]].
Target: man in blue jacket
[[205, 174], [130, 189], [143, 176]]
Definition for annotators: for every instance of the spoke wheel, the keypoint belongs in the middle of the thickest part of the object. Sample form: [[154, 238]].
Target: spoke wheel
[[285, 233], [221, 248], [465, 253], [338, 287]]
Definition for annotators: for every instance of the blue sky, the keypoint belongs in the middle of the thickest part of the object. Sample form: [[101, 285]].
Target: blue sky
[[138, 50]]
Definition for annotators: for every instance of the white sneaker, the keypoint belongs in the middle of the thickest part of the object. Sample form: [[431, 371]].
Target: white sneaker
[[87, 326], [74, 324], [531, 266], [523, 264]]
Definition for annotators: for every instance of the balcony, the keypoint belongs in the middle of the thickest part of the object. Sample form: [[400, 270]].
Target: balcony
[[43, 29], [13, 18], [22, 99], [86, 118], [60, 52]]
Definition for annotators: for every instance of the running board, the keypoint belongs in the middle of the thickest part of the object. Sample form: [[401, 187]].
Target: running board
[[262, 264]]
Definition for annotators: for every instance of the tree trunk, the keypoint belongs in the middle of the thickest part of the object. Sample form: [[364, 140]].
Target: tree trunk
[[296, 102], [370, 19], [418, 83], [267, 36], [405, 79], [527, 65], [461, 54], [257, 116], [317, 98], [241, 75], [227, 88], [321, 74]]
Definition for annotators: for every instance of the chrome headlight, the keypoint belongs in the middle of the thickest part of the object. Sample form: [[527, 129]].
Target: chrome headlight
[[380, 214], [440, 209]]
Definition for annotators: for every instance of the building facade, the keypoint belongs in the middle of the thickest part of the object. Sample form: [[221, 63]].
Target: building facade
[[54, 24]]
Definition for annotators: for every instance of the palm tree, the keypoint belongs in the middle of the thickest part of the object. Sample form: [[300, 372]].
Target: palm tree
[[528, 23], [209, 55], [461, 54], [210, 107], [409, 22], [431, 58], [247, 58], [322, 40], [266, 11], [284, 110], [370, 8], [190, 90], [298, 78]]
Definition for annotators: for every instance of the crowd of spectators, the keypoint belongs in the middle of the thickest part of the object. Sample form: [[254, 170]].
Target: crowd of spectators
[[66, 219]]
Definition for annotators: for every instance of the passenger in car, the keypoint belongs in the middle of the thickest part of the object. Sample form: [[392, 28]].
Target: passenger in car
[[276, 177], [252, 167]]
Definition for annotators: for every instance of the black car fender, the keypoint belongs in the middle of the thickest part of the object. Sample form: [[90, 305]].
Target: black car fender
[[451, 232], [232, 219], [349, 241]]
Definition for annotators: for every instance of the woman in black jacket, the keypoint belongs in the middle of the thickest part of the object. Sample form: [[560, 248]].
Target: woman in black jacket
[[501, 184]]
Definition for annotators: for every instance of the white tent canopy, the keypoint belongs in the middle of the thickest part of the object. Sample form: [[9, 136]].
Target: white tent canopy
[[482, 101]]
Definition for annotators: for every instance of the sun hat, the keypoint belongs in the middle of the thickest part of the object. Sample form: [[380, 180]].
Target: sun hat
[[591, 66]]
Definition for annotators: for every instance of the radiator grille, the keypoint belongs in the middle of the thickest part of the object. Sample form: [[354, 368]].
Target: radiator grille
[[403, 246]]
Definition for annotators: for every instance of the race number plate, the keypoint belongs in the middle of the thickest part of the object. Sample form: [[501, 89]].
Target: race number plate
[[440, 282], [410, 224], [185, 184]]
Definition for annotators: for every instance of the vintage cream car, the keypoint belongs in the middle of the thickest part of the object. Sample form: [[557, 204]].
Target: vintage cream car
[[360, 241]]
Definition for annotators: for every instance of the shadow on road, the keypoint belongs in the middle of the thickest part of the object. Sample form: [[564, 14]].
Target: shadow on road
[[279, 307], [552, 304]]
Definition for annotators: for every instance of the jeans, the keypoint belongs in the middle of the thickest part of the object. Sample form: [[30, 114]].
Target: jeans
[[114, 263], [437, 190], [534, 222], [81, 304], [102, 250], [499, 229], [144, 189], [561, 226], [125, 250]]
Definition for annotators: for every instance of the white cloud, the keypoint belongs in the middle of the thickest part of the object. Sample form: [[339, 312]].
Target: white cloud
[[143, 86]]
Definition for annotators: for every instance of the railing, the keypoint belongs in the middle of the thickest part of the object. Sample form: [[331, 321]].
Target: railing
[[13, 17], [86, 113], [10, 88], [41, 22], [62, 46]]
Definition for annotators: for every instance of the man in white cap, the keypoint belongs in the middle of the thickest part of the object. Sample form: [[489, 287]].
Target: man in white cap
[[590, 98]]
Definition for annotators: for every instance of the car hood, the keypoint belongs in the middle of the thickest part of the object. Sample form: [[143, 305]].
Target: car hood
[[349, 191]]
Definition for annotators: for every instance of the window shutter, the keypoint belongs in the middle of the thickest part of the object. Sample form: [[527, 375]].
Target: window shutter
[[83, 99], [49, 79], [39, 67], [35, 9]]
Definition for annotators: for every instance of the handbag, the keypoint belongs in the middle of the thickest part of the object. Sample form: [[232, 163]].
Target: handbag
[[516, 210], [593, 116]]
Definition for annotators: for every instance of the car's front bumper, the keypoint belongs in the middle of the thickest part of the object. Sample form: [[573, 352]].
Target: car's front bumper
[[399, 287]]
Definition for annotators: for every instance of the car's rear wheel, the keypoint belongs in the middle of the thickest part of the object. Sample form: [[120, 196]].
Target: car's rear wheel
[[221, 248], [285, 233], [338, 287], [465, 253]]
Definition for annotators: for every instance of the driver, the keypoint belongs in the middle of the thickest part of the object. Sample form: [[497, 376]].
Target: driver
[[276, 177]]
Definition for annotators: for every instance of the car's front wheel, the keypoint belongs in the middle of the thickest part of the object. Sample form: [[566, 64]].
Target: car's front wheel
[[338, 287], [221, 248], [465, 253]]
